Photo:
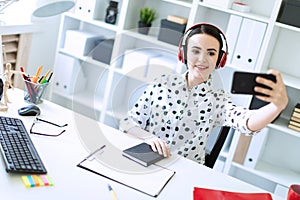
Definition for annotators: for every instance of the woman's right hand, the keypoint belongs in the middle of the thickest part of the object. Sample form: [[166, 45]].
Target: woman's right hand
[[157, 145], [160, 146]]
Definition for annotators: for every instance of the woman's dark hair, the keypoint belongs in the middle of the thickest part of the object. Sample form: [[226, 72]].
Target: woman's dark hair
[[209, 30]]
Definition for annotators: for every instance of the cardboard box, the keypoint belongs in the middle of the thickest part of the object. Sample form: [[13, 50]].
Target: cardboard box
[[80, 43], [103, 50], [170, 32]]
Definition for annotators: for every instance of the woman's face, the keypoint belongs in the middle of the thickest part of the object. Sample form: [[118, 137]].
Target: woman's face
[[202, 56]]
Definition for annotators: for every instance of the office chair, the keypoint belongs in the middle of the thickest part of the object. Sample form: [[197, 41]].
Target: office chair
[[211, 158]]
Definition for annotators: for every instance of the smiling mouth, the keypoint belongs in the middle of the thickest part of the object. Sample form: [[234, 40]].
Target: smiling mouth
[[201, 67]]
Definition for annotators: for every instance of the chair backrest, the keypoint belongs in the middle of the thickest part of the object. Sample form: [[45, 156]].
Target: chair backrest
[[211, 158]]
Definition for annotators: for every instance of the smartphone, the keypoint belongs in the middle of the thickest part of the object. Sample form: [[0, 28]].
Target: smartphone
[[244, 82]]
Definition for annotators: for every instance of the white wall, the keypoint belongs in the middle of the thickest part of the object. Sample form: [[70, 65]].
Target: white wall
[[43, 46]]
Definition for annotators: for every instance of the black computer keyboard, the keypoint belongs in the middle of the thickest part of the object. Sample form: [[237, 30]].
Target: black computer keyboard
[[17, 149]]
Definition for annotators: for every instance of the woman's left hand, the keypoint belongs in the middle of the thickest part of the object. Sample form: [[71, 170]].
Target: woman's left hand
[[277, 94]]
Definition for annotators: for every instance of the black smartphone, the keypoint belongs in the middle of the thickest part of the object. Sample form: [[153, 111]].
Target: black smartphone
[[244, 82]]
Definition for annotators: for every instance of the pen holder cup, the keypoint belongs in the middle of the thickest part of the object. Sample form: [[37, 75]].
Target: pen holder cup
[[34, 92]]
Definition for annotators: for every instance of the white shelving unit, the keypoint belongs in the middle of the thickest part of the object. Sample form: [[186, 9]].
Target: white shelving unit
[[111, 90]]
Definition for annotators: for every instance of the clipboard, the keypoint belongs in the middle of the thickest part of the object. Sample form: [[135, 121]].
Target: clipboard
[[148, 180]]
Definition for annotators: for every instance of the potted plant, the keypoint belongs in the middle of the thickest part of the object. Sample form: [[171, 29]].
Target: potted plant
[[147, 15]]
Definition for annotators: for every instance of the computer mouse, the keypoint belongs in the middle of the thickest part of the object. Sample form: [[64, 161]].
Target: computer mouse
[[30, 110]]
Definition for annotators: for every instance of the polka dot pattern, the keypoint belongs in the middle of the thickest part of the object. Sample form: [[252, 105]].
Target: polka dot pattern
[[184, 117]]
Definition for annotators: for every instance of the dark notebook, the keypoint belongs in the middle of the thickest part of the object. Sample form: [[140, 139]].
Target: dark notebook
[[143, 154]]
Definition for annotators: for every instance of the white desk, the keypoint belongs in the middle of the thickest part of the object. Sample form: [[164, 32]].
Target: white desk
[[61, 155]]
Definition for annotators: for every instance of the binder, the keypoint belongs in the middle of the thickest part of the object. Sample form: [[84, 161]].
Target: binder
[[89, 9], [255, 149], [149, 180], [67, 74], [242, 148], [248, 44], [232, 33]]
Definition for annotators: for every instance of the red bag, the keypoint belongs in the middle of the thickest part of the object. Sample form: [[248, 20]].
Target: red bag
[[211, 194]]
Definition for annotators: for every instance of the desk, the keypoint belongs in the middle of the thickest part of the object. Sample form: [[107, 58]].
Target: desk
[[61, 155]]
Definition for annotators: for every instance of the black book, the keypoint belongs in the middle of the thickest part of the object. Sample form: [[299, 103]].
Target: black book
[[143, 154]]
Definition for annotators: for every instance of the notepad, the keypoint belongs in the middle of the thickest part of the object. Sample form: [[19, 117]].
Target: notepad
[[143, 154], [149, 180]]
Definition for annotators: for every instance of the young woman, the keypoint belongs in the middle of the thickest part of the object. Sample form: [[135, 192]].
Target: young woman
[[178, 112]]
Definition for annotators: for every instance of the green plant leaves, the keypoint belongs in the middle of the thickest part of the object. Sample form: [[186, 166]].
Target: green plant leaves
[[147, 15]]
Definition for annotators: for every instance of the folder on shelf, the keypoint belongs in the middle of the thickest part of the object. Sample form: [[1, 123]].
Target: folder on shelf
[[248, 44], [255, 148], [232, 34], [150, 180], [242, 148]]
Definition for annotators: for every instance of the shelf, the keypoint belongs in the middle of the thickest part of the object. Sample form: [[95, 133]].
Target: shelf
[[224, 154], [288, 27], [87, 59], [11, 57], [238, 68], [11, 47], [277, 174], [97, 23], [135, 75], [82, 98], [273, 173], [229, 11], [291, 81], [119, 113], [187, 4], [128, 78], [151, 39], [10, 38], [281, 124]]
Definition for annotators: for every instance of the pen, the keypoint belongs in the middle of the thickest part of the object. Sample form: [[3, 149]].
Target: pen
[[49, 77], [40, 79], [35, 78], [113, 194], [23, 71], [44, 80]]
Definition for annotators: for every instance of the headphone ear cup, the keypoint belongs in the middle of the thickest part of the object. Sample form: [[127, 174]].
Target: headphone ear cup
[[223, 59], [181, 55]]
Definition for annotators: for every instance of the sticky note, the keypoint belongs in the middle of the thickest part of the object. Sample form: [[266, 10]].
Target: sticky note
[[26, 181], [45, 180], [30, 179], [36, 181], [49, 180], [40, 181]]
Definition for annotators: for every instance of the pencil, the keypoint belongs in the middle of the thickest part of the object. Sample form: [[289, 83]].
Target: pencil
[[113, 194]]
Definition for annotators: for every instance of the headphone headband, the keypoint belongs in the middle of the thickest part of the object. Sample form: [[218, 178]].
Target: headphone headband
[[182, 45]]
